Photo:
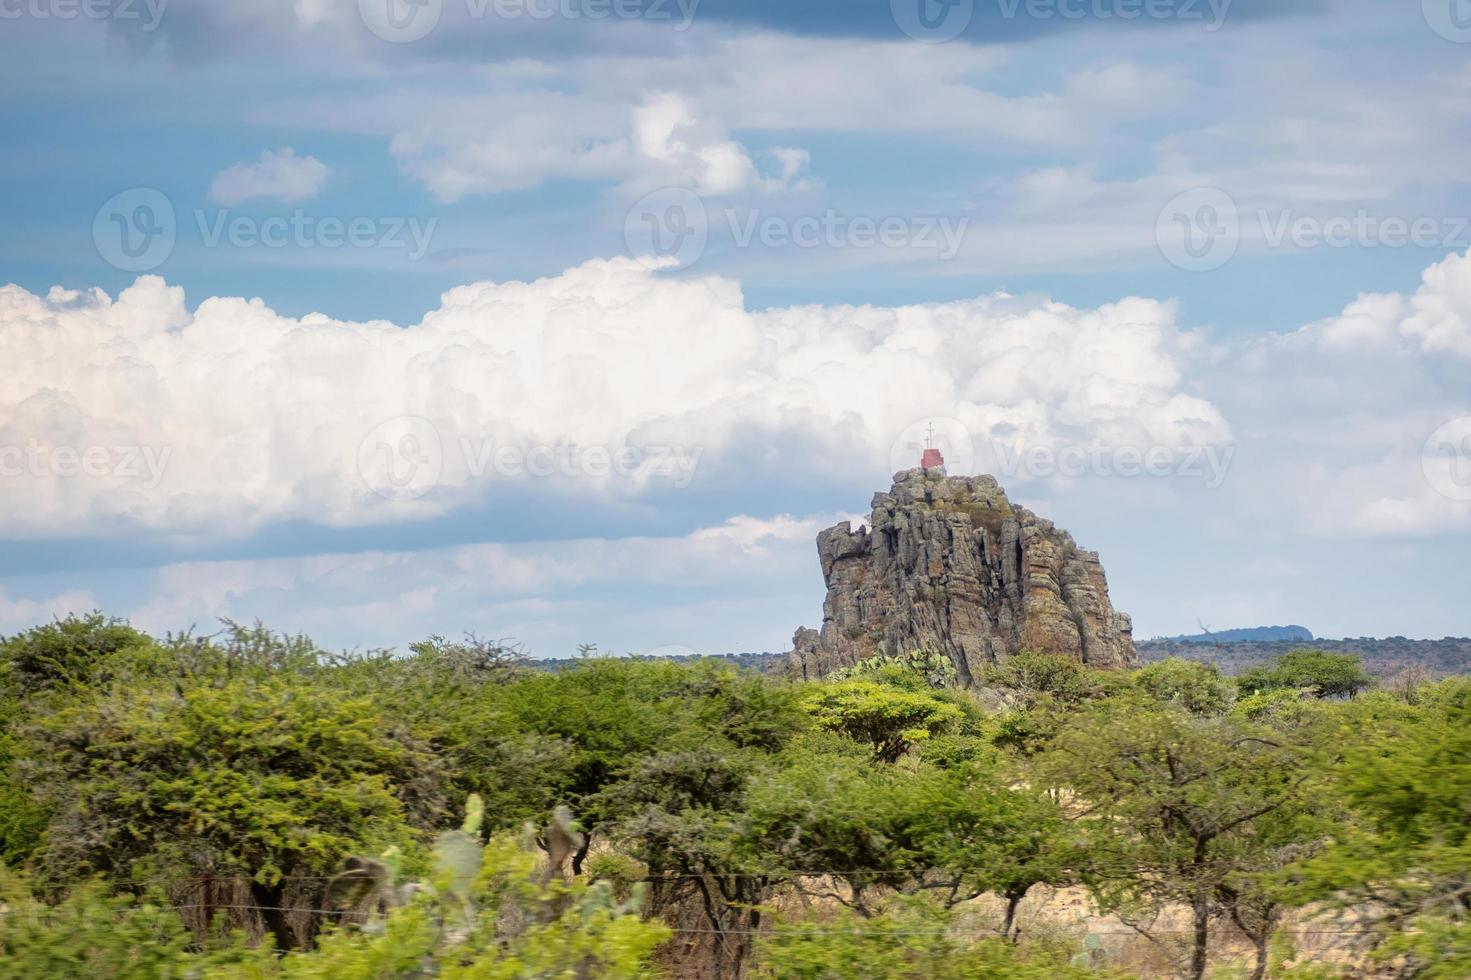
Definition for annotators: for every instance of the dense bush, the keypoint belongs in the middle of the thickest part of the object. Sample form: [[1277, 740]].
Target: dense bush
[[914, 939], [1198, 688], [247, 805], [1326, 675]]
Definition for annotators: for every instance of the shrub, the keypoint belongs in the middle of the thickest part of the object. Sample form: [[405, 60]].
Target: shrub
[[890, 720], [1326, 675], [1198, 688]]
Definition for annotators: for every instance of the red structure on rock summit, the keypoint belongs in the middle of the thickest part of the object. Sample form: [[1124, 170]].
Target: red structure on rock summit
[[931, 459]]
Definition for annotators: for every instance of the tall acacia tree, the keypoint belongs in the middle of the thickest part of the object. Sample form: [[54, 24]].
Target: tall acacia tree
[[270, 780], [1326, 675], [1404, 849], [1173, 808]]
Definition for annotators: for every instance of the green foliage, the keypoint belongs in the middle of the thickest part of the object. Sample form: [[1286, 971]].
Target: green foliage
[[744, 709], [1406, 781], [914, 670], [1270, 706], [1033, 679], [1030, 675], [1027, 731], [890, 720], [1208, 808], [982, 829], [676, 812], [37, 667], [472, 660], [240, 651], [835, 811], [699, 795], [959, 832], [1198, 688], [464, 701], [492, 911], [916, 939], [613, 712], [67, 652], [1439, 948], [90, 934], [1043, 690], [262, 779], [1326, 675], [680, 814], [508, 920], [22, 820], [964, 748]]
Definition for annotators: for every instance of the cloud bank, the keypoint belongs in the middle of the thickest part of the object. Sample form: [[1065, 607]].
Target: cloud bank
[[237, 417], [244, 419]]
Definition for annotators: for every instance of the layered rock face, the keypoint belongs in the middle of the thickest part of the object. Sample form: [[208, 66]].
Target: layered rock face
[[949, 564]]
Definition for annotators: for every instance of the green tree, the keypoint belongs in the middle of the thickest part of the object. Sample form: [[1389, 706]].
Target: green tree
[[68, 651], [1406, 847], [830, 809], [983, 830], [1172, 806], [504, 916], [611, 713], [915, 939], [267, 780], [1198, 688], [1042, 691], [681, 813], [37, 667], [1327, 675], [472, 659], [1052, 677], [955, 832], [890, 720], [465, 701]]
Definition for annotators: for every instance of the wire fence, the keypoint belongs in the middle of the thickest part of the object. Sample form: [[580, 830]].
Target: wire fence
[[227, 882]]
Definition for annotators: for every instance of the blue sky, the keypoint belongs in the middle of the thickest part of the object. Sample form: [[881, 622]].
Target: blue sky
[[574, 321]]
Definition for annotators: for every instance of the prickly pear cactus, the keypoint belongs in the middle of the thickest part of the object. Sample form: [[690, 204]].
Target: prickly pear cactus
[[457, 854]]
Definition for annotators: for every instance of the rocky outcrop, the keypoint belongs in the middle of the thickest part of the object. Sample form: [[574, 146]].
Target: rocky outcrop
[[949, 564]]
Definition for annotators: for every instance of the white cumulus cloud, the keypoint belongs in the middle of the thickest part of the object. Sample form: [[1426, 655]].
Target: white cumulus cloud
[[226, 417], [526, 138], [279, 175], [1348, 410], [1435, 320]]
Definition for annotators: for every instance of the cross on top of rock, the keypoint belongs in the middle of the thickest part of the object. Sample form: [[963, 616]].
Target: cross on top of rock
[[931, 459]]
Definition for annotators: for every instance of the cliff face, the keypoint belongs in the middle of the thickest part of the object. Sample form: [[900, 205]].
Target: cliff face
[[949, 564]]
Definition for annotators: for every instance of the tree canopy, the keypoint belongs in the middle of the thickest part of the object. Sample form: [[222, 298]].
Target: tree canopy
[[248, 805]]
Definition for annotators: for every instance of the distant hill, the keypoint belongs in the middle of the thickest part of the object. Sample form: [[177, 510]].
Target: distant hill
[[1382, 657], [1254, 634], [743, 661]]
